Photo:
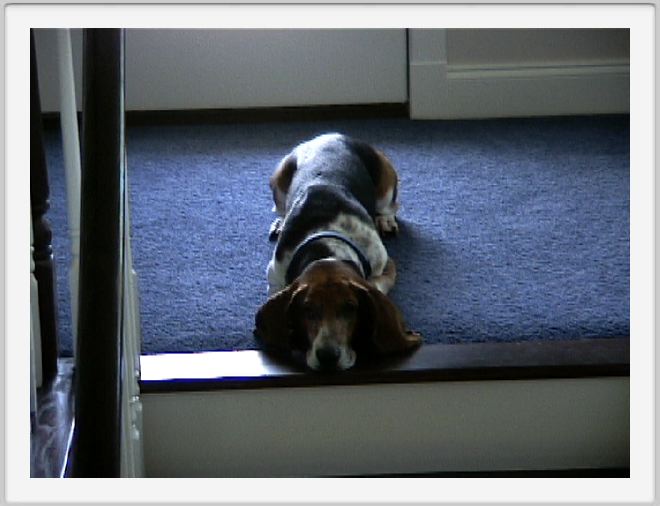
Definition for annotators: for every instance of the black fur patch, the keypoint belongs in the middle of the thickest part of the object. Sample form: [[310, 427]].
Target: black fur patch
[[368, 156], [338, 178], [314, 209]]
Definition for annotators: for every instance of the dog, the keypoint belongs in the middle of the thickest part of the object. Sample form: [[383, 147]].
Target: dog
[[330, 273]]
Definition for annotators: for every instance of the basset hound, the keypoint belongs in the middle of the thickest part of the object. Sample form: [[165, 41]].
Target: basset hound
[[330, 272]]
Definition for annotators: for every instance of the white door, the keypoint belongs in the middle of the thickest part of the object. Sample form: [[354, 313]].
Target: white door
[[484, 73]]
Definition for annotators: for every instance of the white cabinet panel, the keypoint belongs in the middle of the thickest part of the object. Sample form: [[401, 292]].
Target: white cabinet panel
[[193, 69], [208, 69]]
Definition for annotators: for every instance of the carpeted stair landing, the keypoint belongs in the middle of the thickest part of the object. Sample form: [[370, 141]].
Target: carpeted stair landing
[[510, 229]]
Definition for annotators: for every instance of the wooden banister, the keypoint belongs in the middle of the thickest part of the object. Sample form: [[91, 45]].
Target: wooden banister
[[44, 270], [96, 440]]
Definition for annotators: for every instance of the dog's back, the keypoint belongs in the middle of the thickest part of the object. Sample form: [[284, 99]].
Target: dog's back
[[333, 162], [334, 195]]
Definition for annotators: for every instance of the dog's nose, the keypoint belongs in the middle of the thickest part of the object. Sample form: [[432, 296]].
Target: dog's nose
[[328, 356]]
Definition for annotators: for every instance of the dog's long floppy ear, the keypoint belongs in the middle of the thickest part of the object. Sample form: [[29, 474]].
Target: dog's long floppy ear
[[274, 324], [382, 322]]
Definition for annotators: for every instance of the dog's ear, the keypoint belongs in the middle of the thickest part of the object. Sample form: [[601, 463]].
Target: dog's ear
[[381, 324], [275, 322]]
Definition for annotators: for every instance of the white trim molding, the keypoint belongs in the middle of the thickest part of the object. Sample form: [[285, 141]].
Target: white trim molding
[[132, 453], [441, 90]]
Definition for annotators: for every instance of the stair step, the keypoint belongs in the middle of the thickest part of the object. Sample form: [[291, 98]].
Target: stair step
[[438, 362]]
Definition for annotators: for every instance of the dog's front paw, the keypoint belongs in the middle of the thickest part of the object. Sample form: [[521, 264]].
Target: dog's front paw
[[275, 229], [386, 224], [413, 338]]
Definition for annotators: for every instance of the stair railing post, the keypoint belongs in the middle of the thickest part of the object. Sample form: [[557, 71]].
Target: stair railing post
[[71, 152], [98, 382], [35, 331]]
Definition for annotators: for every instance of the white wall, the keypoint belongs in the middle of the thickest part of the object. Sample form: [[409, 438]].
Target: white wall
[[208, 69], [393, 428]]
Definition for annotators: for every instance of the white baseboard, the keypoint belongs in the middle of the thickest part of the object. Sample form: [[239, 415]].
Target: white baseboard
[[442, 91]]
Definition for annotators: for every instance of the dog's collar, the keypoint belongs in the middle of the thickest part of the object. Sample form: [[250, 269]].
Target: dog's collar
[[328, 234]]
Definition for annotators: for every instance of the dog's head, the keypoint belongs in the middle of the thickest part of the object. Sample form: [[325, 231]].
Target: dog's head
[[332, 313]]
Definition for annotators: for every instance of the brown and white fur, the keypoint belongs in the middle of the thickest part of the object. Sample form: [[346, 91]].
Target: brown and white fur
[[327, 294]]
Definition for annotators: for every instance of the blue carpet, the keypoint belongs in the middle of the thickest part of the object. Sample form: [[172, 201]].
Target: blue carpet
[[510, 229]]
